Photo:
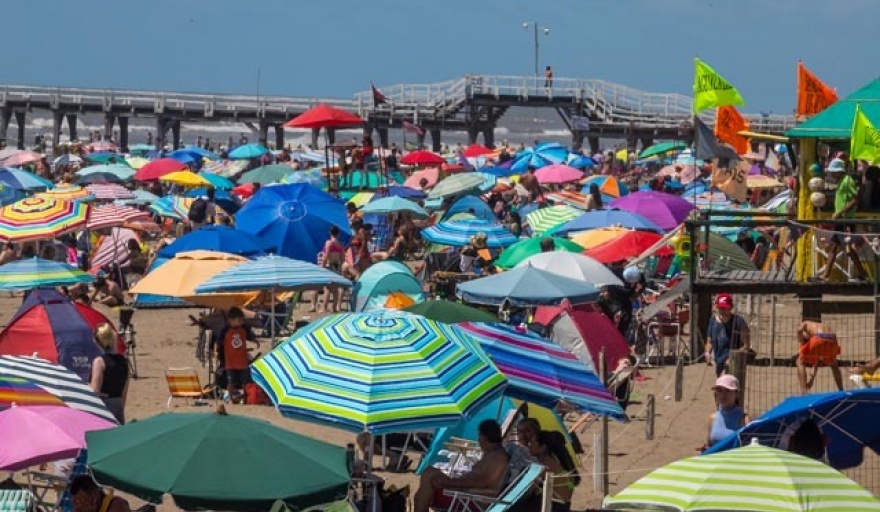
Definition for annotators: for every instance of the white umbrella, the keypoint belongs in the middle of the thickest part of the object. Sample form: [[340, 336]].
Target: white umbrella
[[573, 266]]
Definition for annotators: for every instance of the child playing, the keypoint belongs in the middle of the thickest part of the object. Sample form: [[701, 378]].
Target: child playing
[[232, 352]]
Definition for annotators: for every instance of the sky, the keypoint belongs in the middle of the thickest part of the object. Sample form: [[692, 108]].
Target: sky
[[334, 48]]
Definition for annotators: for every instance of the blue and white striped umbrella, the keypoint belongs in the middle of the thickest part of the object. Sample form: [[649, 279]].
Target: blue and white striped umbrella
[[37, 272], [272, 273], [458, 233], [57, 380]]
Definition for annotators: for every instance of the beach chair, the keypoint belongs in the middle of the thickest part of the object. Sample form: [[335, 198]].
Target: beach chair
[[515, 490], [16, 500], [184, 383]]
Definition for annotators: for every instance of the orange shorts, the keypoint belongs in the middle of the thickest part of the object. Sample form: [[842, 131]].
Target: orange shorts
[[821, 348]]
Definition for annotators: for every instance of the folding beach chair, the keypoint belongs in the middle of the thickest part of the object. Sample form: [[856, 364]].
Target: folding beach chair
[[16, 500], [515, 490], [184, 383]]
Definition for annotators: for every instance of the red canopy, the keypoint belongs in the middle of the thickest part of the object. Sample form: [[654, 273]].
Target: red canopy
[[158, 168], [626, 246], [324, 116], [587, 322], [422, 157], [475, 150]]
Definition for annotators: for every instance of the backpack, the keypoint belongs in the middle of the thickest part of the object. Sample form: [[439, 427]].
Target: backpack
[[198, 211], [254, 395]]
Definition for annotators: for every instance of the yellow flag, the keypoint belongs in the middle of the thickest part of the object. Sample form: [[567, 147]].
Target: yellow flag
[[865, 140], [712, 90]]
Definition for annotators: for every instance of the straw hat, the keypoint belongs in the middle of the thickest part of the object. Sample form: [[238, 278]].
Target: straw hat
[[106, 337]]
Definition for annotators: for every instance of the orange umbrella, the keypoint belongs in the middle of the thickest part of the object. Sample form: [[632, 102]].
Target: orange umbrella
[[594, 237], [399, 300], [626, 246]]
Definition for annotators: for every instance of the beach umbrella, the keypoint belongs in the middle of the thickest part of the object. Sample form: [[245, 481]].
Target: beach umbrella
[[541, 155], [175, 207], [9, 195], [185, 178], [40, 273], [19, 157], [106, 158], [315, 177], [248, 151], [522, 250], [544, 219], [44, 434], [113, 247], [295, 218], [217, 238], [273, 273], [114, 215], [186, 157], [136, 162], [158, 168], [35, 218], [266, 174], [67, 387], [542, 372], [141, 197], [580, 161], [475, 150], [21, 392], [610, 187], [598, 236], [225, 168], [662, 148], [121, 172], [422, 157], [386, 205], [67, 159], [597, 219], [361, 199], [568, 197], [846, 419], [324, 116], [109, 191], [379, 372], [681, 174], [449, 312], [217, 182], [456, 185], [458, 233], [431, 175], [142, 148], [98, 177], [626, 246], [556, 174], [665, 210], [753, 478], [200, 152], [20, 179], [222, 199], [574, 266], [526, 286], [189, 457], [67, 192]]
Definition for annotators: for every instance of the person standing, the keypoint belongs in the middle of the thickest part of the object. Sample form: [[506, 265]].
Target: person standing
[[846, 201], [727, 332], [818, 345], [232, 353], [729, 415], [110, 374], [548, 77]]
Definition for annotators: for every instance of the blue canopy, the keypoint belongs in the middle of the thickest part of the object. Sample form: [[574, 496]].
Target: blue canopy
[[526, 286], [217, 238], [481, 209], [604, 218], [379, 281], [846, 418]]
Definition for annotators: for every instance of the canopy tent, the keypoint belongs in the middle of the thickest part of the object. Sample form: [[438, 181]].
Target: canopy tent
[[584, 331], [378, 282]]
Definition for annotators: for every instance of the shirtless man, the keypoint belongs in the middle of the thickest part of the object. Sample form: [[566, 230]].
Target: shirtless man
[[110, 293], [818, 345], [486, 476]]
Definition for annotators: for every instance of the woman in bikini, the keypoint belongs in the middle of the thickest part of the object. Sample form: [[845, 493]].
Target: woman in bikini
[[334, 257]]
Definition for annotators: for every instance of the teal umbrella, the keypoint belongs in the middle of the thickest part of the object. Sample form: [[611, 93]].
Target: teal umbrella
[[394, 204], [248, 151], [457, 184], [107, 158], [661, 148], [141, 197], [37, 273], [123, 172], [266, 174], [217, 181]]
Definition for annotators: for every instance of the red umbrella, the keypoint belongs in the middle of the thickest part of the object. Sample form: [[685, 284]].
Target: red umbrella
[[246, 190], [629, 245], [158, 168], [324, 116], [422, 157], [475, 150]]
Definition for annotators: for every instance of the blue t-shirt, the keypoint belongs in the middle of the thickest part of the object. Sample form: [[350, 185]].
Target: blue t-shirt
[[726, 336]]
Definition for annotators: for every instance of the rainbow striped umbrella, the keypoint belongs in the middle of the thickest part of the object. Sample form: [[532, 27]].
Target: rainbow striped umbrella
[[35, 218], [37, 273], [67, 192], [543, 219], [177, 207], [112, 191], [114, 215], [18, 391], [542, 372], [379, 372]]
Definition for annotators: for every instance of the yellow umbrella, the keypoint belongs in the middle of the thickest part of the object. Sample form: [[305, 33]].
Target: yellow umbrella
[[361, 198], [594, 237], [550, 421], [136, 162], [185, 179], [180, 276]]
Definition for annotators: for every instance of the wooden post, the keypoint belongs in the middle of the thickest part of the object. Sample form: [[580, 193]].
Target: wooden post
[[602, 461], [738, 360], [649, 419], [773, 330], [679, 378]]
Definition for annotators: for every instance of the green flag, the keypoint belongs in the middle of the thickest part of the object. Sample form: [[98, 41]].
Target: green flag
[[712, 90], [865, 139]]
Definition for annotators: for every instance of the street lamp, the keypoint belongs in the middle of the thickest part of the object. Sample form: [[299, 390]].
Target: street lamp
[[537, 28]]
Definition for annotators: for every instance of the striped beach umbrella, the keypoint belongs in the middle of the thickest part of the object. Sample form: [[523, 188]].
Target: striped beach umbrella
[[753, 478], [456, 185], [67, 192], [378, 372], [56, 380], [111, 191], [542, 372], [458, 233], [272, 272], [543, 219], [21, 392], [175, 207], [19, 179], [36, 218], [37, 273], [226, 168], [114, 215]]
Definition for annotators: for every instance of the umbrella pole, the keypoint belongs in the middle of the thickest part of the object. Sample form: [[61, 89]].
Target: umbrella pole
[[272, 321]]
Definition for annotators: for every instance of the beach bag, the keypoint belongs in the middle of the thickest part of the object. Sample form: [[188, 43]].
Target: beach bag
[[254, 395], [198, 212]]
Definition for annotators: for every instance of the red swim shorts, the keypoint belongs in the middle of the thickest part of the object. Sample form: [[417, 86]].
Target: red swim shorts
[[821, 348]]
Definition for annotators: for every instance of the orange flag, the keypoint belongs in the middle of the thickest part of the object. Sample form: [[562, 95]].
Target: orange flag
[[728, 124], [813, 95]]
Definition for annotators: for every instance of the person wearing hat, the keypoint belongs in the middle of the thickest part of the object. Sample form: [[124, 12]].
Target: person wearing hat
[[846, 200], [729, 415], [727, 332], [110, 374]]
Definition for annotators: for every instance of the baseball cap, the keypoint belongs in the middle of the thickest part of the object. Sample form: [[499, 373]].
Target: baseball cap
[[724, 301], [836, 165], [727, 381]]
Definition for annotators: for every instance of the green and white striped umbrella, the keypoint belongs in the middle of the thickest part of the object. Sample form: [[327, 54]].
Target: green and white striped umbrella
[[543, 219], [752, 478], [379, 372]]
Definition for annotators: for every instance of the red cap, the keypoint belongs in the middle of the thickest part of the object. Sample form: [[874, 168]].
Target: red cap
[[724, 301]]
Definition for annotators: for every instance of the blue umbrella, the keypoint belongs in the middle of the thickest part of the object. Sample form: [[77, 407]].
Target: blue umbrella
[[20, 179], [272, 273], [39, 273], [202, 152], [401, 191], [499, 172], [9, 195], [385, 205], [222, 198], [471, 204], [604, 218], [185, 157], [548, 153], [296, 218], [217, 238], [846, 418], [580, 162], [248, 151], [459, 232], [217, 181], [526, 286]]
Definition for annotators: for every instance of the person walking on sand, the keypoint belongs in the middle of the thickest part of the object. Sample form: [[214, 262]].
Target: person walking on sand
[[727, 332], [818, 346]]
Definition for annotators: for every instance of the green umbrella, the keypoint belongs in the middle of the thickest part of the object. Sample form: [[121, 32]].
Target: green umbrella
[[107, 158], [450, 312], [663, 147], [216, 461], [519, 251], [266, 174]]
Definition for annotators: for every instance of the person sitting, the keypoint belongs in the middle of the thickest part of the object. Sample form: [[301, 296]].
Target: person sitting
[[86, 496], [550, 451], [107, 292], [818, 346], [486, 476]]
